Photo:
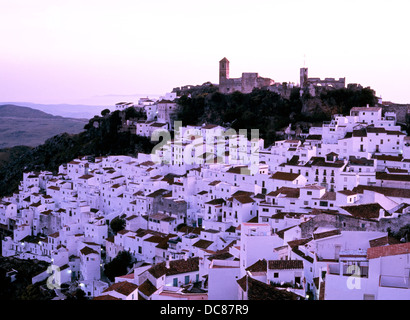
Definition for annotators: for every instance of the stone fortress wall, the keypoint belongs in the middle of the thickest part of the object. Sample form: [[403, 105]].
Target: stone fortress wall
[[251, 80]]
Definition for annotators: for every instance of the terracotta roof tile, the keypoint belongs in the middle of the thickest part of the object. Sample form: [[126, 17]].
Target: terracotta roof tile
[[202, 244], [257, 290], [147, 288], [175, 267], [299, 242], [366, 211], [106, 297], [392, 177], [124, 287], [383, 241], [285, 264], [87, 250], [258, 266], [325, 234], [391, 250], [287, 176], [244, 199], [289, 192], [214, 202]]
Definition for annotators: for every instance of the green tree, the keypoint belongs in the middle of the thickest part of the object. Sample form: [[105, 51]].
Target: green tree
[[132, 112], [117, 224], [105, 112], [402, 234], [118, 266]]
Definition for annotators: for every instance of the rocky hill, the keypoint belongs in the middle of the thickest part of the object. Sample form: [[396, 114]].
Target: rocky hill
[[268, 111]]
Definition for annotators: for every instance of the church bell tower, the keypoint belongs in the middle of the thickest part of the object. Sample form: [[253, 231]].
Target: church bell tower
[[223, 70]]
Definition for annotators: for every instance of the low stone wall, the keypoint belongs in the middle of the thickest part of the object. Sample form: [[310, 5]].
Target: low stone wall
[[348, 223]]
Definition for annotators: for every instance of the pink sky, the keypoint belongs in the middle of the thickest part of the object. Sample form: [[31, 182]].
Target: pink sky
[[56, 51]]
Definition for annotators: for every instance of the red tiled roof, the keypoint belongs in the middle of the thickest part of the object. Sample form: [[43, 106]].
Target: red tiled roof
[[289, 192], [54, 235], [365, 109], [106, 297], [389, 192], [396, 170], [147, 288], [124, 287], [392, 177], [391, 250], [347, 192], [218, 201], [209, 126], [258, 290], [203, 244], [326, 234], [244, 199], [298, 242], [258, 266], [239, 170], [386, 240], [329, 196], [155, 239], [87, 251], [157, 193], [175, 267], [285, 264], [86, 176], [385, 157], [287, 176], [366, 211]]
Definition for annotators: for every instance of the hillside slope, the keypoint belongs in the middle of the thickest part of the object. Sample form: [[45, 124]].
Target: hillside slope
[[29, 127], [101, 137]]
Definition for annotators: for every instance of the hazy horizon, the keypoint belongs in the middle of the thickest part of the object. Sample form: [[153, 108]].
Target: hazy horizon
[[59, 52], [100, 100]]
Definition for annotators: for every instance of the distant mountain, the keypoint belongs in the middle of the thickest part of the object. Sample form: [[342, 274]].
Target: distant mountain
[[64, 110], [14, 111], [23, 126], [82, 108]]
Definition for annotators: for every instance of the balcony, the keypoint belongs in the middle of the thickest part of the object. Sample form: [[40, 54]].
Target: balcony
[[394, 282], [349, 270], [333, 269]]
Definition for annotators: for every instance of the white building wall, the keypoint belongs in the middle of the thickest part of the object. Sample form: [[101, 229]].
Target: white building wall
[[222, 283]]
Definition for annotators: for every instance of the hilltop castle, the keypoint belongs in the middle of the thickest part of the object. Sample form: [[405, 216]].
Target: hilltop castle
[[251, 80], [312, 85], [244, 84]]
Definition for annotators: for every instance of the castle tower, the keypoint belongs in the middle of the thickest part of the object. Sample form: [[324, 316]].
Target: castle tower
[[303, 76], [223, 70]]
